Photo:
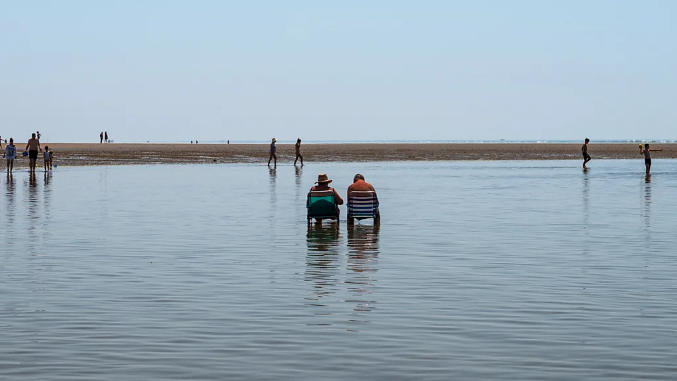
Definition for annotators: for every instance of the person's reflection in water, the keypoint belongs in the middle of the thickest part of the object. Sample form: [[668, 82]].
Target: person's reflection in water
[[647, 203], [47, 195], [322, 265], [299, 175], [272, 172], [33, 200], [363, 251], [586, 199], [11, 208]]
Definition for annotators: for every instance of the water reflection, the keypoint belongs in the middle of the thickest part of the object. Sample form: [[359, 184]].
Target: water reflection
[[322, 262], [299, 175], [586, 200], [272, 173], [33, 203], [47, 196], [10, 195], [647, 203], [363, 251]]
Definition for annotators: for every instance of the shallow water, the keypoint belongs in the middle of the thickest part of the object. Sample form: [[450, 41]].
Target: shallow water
[[480, 270]]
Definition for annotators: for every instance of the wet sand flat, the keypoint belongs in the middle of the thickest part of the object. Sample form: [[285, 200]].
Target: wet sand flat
[[77, 154]]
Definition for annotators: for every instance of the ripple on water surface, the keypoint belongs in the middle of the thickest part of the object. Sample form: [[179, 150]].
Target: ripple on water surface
[[491, 270]]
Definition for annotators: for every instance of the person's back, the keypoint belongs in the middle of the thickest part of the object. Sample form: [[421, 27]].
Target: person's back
[[326, 187], [360, 185]]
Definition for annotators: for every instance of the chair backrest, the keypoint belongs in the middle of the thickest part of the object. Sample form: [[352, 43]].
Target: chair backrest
[[321, 203], [362, 204]]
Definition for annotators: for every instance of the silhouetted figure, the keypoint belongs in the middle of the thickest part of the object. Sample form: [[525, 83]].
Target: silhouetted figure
[[647, 156], [297, 148], [273, 155], [586, 157]]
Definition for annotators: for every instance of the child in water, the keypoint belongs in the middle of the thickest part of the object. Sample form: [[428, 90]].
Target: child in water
[[46, 158], [647, 156], [10, 155]]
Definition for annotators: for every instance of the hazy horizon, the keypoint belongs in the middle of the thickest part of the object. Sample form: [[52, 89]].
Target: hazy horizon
[[486, 70]]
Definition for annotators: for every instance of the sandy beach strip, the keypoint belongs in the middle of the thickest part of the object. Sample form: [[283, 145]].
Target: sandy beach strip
[[80, 154]]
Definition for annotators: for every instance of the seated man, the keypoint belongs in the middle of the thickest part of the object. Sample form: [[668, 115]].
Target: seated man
[[323, 185], [360, 185]]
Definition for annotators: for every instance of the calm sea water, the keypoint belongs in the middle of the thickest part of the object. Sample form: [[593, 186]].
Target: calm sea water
[[480, 270]]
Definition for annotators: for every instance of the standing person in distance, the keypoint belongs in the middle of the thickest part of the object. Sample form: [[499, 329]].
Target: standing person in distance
[[647, 156], [586, 157], [273, 155], [33, 147], [101, 137], [297, 147], [105, 136], [10, 155]]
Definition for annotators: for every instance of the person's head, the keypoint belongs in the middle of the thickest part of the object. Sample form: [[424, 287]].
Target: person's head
[[46, 148], [646, 146], [274, 140], [298, 140], [33, 135], [358, 177], [587, 140], [11, 140], [323, 179]]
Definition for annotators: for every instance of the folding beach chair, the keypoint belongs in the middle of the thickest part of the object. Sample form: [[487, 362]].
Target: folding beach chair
[[322, 205], [361, 205]]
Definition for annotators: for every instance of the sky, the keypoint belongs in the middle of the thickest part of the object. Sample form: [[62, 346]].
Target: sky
[[165, 70]]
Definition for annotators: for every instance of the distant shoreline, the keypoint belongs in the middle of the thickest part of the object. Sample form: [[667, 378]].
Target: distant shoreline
[[83, 154]]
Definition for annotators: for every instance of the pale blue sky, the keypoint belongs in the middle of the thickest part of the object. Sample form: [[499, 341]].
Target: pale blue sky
[[338, 70]]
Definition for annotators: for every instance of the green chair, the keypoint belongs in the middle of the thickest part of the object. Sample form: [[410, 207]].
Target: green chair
[[322, 205]]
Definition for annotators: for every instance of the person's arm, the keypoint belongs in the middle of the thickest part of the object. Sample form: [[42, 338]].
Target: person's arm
[[339, 200], [654, 150], [27, 145]]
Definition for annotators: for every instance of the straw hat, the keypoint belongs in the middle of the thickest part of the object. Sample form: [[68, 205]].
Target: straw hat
[[323, 179]]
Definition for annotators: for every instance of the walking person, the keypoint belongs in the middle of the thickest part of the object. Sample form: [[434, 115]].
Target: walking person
[[647, 156], [101, 137], [33, 147], [273, 148], [10, 155], [586, 157], [105, 136], [297, 147], [38, 134]]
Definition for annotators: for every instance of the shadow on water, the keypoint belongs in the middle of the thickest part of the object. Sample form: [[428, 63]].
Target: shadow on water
[[363, 251], [10, 196], [322, 263]]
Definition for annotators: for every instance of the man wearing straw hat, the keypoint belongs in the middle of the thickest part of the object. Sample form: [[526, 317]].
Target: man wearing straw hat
[[272, 152]]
